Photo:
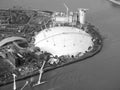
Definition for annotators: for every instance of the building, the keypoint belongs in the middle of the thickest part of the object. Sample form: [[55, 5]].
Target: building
[[64, 39]]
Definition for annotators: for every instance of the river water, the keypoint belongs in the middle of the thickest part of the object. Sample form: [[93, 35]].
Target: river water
[[101, 72]]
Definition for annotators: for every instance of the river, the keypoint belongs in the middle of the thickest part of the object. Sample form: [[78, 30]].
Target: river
[[100, 72]]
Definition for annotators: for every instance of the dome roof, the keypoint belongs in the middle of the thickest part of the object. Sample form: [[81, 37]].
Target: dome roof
[[63, 40]]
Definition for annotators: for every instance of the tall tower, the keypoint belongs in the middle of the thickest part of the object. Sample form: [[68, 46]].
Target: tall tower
[[67, 9], [82, 15]]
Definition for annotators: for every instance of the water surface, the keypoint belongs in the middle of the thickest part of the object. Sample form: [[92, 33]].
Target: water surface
[[101, 72]]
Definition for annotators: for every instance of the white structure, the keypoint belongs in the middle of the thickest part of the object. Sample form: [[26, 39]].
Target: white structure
[[63, 40], [14, 81], [62, 18], [53, 60], [70, 17], [82, 15]]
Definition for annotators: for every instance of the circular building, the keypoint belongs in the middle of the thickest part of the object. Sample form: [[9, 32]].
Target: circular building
[[64, 40]]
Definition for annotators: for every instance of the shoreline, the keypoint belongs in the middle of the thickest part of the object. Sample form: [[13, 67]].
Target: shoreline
[[97, 48], [41, 21]]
